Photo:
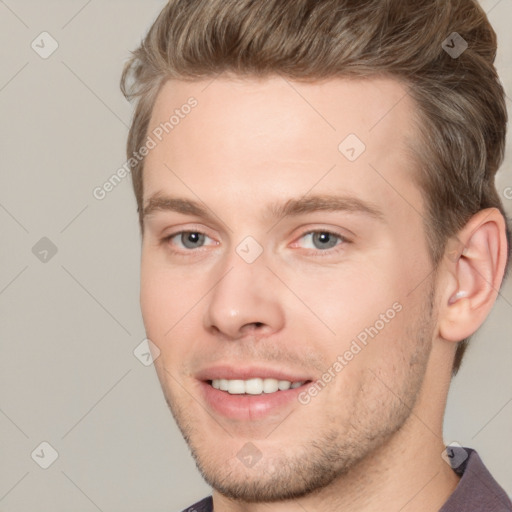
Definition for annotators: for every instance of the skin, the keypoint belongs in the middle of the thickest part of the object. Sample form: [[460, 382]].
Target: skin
[[373, 435]]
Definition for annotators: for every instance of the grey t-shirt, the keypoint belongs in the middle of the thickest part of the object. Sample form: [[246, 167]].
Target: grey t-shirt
[[477, 491]]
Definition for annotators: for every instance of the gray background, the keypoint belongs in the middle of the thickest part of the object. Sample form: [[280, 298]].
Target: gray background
[[69, 325]]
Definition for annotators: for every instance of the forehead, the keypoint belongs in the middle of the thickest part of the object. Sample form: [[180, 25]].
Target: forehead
[[280, 108], [244, 133]]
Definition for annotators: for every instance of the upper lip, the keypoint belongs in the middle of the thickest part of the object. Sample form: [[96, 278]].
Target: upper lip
[[248, 372]]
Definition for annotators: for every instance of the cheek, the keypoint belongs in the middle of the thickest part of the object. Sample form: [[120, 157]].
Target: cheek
[[350, 299], [152, 296], [170, 308], [159, 298]]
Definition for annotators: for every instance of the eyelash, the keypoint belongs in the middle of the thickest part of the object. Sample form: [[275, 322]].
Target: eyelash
[[318, 252]]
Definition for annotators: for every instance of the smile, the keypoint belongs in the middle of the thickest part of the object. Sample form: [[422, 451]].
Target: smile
[[255, 386]]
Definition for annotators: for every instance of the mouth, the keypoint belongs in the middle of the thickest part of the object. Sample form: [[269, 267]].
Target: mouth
[[255, 386], [251, 393]]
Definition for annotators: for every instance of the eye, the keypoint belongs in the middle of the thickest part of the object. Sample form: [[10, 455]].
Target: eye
[[322, 240], [187, 239]]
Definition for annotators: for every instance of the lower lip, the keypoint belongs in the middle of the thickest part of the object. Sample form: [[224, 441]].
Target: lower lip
[[249, 407]]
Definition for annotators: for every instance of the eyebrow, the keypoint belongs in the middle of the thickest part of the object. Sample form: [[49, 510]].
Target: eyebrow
[[292, 207]]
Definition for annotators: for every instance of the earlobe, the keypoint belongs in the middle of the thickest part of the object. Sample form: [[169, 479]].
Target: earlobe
[[474, 275]]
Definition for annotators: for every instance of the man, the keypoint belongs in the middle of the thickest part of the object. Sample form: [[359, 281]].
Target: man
[[321, 235]]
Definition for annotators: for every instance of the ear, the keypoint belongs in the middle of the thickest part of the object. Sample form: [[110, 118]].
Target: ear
[[474, 266]]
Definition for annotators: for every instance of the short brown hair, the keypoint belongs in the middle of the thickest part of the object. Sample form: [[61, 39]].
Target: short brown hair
[[460, 100]]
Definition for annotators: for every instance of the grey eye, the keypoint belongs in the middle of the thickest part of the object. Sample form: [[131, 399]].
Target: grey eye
[[191, 239], [324, 240]]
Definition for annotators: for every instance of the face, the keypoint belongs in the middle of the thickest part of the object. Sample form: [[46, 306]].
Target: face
[[285, 276]]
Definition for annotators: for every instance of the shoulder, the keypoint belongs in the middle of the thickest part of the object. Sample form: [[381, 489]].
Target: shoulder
[[477, 490], [205, 505]]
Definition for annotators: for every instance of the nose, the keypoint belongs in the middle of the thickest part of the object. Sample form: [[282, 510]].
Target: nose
[[245, 300]]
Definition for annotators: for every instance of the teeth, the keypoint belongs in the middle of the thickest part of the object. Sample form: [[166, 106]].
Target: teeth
[[270, 385], [255, 386], [284, 385]]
